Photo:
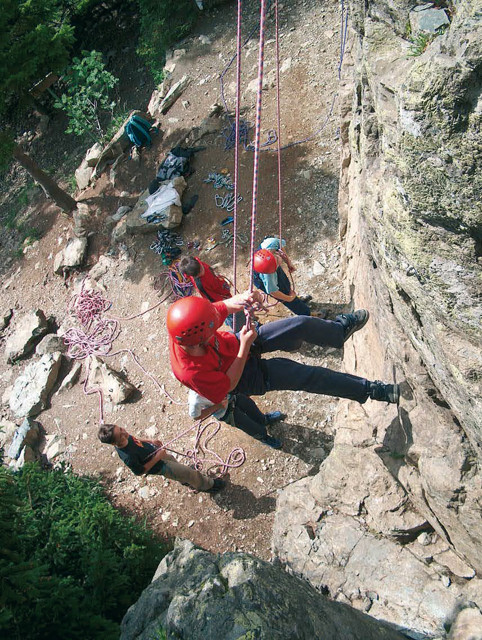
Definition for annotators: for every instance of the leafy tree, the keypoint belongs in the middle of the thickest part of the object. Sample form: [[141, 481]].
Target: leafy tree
[[162, 23], [88, 86], [70, 564], [35, 38]]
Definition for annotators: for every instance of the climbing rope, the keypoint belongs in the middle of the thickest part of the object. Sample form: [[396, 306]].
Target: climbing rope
[[278, 123], [96, 338], [259, 96]]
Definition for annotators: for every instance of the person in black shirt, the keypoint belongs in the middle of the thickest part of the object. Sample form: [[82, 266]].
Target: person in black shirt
[[148, 457]]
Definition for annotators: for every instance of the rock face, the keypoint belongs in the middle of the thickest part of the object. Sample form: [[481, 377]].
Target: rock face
[[196, 595], [114, 388], [32, 387], [72, 256], [410, 194], [30, 328]]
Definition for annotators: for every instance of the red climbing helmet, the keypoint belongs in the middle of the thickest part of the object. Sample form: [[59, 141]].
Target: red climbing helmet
[[192, 320], [264, 261]]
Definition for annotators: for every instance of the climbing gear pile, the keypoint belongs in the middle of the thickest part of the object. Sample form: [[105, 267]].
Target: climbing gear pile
[[168, 245]]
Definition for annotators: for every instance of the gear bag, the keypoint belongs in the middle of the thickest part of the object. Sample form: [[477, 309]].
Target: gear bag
[[138, 131]]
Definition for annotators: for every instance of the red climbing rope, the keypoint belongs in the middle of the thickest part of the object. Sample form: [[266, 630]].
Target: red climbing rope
[[259, 97], [236, 150], [278, 123]]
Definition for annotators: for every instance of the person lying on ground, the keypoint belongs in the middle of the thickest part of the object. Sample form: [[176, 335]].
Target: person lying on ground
[[214, 363], [147, 457], [238, 411], [210, 285], [270, 277]]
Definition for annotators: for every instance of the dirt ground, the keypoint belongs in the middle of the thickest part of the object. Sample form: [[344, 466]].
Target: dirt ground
[[240, 517]]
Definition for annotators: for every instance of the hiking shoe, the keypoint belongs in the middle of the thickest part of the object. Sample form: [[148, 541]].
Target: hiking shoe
[[273, 417], [218, 484], [274, 443], [383, 392], [305, 298], [353, 321]]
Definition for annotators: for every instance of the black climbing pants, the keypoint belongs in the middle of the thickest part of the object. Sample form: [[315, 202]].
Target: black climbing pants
[[276, 374]]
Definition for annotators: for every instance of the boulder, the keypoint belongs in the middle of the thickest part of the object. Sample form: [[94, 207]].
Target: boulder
[[82, 220], [197, 595], [428, 19], [71, 378], [28, 433], [113, 386], [103, 266], [351, 563], [51, 343], [135, 224], [83, 174], [28, 331], [93, 154], [31, 389], [55, 446], [5, 319], [120, 213], [7, 432], [174, 94], [72, 256]]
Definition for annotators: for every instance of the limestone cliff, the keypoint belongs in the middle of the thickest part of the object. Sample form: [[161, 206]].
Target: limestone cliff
[[410, 210]]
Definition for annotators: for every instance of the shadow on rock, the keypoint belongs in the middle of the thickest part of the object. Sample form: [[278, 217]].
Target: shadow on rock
[[243, 502]]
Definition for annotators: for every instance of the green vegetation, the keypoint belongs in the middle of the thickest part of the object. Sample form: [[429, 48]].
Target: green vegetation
[[419, 43], [87, 98], [70, 564], [162, 23]]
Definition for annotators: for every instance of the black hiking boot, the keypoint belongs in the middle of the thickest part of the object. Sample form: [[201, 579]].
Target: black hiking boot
[[383, 392], [352, 322], [274, 443], [218, 484]]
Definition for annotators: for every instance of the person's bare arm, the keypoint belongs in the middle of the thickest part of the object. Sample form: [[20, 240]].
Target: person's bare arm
[[240, 300], [235, 371], [210, 410]]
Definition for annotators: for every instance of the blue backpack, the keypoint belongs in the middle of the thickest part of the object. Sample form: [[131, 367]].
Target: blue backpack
[[138, 131]]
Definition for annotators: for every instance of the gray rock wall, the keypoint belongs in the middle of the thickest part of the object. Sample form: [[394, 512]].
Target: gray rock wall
[[392, 523], [196, 595]]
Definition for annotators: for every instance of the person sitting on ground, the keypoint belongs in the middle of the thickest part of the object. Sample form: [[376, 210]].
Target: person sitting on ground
[[238, 411], [214, 363], [269, 276], [149, 457], [210, 285]]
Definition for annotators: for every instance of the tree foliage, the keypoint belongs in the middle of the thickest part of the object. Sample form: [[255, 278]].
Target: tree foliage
[[70, 564], [35, 37], [88, 85], [162, 23]]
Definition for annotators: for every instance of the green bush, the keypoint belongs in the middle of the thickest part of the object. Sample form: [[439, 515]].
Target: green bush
[[87, 97], [70, 564], [162, 23]]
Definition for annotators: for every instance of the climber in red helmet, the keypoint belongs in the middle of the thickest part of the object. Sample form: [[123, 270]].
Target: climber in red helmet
[[270, 277], [214, 363]]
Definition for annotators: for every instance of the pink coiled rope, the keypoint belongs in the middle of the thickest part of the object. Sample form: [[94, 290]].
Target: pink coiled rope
[[96, 338]]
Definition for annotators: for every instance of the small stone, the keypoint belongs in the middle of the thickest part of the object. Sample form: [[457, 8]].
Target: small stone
[[144, 493], [424, 539], [191, 523], [445, 581]]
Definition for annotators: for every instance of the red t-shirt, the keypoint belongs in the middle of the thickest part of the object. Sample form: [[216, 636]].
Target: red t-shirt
[[206, 374], [211, 286]]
